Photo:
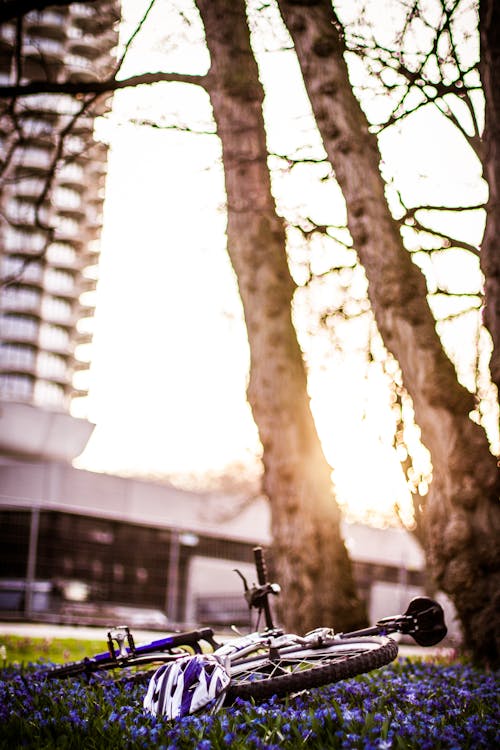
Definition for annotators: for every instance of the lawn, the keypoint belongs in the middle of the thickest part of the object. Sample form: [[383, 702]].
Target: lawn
[[409, 704], [22, 649]]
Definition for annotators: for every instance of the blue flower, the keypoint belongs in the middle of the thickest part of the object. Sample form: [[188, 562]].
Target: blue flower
[[457, 708]]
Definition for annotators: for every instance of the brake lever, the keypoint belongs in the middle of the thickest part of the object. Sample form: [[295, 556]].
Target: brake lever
[[255, 596]]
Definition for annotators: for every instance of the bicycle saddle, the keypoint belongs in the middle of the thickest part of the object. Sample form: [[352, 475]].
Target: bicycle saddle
[[425, 621]]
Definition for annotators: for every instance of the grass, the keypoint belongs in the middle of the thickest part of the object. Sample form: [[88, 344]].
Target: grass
[[424, 705], [23, 650]]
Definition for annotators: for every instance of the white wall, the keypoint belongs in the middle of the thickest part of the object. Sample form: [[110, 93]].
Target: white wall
[[208, 575]]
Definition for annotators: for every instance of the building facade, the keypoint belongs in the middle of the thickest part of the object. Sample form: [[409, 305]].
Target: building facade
[[80, 546], [52, 178]]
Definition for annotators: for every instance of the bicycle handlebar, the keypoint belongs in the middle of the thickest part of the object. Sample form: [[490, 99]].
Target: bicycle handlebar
[[260, 565]]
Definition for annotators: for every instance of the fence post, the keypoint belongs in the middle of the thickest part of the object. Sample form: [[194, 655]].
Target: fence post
[[173, 576], [31, 563]]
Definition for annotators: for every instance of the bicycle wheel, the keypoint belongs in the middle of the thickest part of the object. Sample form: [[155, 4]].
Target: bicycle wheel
[[280, 674]]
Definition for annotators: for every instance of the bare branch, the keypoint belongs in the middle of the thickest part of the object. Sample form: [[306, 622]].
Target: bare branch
[[97, 87], [143, 122], [458, 209], [460, 313], [434, 75], [409, 219], [447, 238], [294, 161], [133, 36]]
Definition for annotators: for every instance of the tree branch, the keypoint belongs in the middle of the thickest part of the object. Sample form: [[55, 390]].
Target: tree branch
[[97, 87], [144, 122], [409, 219]]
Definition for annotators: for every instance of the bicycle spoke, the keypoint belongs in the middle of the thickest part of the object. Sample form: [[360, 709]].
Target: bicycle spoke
[[289, 665]]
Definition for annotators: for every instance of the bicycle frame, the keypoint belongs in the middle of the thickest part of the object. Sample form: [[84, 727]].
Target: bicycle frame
[[126, 649]]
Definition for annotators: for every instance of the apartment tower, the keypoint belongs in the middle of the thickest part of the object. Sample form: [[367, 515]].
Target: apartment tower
[[52, 175]]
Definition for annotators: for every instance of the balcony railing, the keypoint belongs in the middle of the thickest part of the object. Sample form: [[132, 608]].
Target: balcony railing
[[34, 158], [17, 358], [17, 268], [43, 46], [48, 18], [22, 241], [20, 300], [19, 328]]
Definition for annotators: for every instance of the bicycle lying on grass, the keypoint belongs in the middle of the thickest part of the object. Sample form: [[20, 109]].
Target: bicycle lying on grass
[[193, 669]]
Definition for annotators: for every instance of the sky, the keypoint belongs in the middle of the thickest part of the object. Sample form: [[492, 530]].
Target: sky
[[170, 355]]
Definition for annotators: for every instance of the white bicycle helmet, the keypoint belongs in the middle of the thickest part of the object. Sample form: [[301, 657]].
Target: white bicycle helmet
[[185, 685]]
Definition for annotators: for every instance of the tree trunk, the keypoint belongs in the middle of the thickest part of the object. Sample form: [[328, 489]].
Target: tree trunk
[[311, 560], [489, 27], [463, 512]]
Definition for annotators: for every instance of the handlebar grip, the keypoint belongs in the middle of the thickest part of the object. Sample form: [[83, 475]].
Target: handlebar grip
[[260, 564]]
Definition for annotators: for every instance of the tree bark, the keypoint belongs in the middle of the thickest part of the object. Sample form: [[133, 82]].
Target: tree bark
[[313, 567], [463, 512], [489, 28]]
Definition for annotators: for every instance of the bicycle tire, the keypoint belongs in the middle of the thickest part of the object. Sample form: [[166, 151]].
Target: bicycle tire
[[260, 678]]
